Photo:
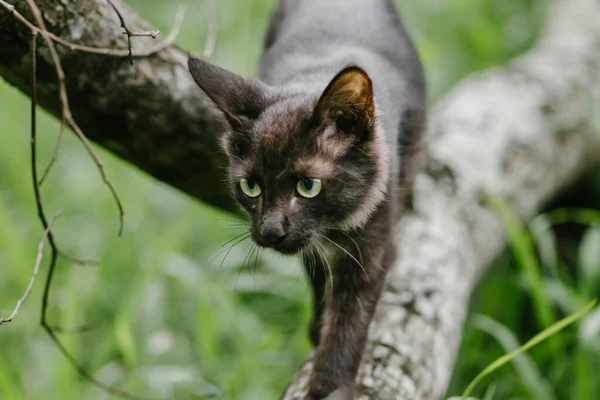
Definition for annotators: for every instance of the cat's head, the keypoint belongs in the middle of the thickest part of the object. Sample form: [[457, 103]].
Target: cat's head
[[300, 163]]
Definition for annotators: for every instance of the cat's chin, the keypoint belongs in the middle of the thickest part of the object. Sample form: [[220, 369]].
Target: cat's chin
[[285, 247]]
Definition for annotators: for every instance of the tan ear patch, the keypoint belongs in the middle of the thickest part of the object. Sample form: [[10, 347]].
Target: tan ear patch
[[350, 96]]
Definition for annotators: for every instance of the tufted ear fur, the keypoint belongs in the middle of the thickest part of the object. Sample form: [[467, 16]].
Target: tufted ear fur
[[241, 100], [348, 100]]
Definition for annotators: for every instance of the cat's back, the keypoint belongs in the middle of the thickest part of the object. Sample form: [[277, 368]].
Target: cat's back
[[310, 41], [319, 21], [307, 35]]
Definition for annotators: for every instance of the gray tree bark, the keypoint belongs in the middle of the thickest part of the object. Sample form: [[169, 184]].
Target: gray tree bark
[[522, 132], [152, 114]]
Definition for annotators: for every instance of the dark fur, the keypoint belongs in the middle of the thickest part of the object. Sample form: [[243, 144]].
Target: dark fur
[[310, 114]]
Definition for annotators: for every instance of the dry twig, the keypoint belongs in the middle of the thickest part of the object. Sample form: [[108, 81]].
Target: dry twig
[[77, 261], [36, 268], [50, 330], [169, 40], [211, 38], [67, 118], [66, 110], [54, 153], [130, 33], [47, 234]]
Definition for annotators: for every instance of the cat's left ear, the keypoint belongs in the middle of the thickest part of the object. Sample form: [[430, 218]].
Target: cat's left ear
[[241, 100], [348, 101]]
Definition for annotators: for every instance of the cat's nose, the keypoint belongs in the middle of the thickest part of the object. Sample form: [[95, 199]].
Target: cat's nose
[[273, 227]]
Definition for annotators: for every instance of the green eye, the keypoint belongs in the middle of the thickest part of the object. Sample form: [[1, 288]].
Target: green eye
[[309, 187], [250, 188]]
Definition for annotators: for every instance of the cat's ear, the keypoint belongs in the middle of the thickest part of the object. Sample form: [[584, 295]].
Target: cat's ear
[[348, 100], [241, 100]]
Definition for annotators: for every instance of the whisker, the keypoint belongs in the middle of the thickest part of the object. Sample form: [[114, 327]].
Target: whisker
[[229, 247], [240, 226], [248, 258], [313, 268], [305, 254], [257, 260], [351, 256], [242, 266], [253, 273], [229, 250], [230, 220], [357, 248], [324, 257], [231, 240]]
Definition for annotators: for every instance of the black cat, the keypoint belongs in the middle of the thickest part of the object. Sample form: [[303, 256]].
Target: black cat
[[319, 150]]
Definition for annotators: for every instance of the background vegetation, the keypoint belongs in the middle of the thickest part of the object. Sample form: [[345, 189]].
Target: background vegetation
[[176, 318]]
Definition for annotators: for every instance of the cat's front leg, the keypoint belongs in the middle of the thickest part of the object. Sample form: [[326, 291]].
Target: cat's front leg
[[315, 266], [345, 324]]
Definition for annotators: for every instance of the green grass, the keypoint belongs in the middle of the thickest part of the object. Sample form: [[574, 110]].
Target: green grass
[[176, 321], [511, 300]]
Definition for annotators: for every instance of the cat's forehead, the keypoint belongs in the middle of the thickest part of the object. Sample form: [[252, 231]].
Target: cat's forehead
[[289, 127], [286, 142], [285, 123]]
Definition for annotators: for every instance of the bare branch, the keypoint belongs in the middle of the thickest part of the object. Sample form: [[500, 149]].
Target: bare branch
[[211, 38], [168, 42], [66, 110], [36, 267], [54, 152], [195, 168], [47, 226], [68, 119], [77, 261], [129, 33]]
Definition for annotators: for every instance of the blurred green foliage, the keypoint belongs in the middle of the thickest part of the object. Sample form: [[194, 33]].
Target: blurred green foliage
[[177, 319]]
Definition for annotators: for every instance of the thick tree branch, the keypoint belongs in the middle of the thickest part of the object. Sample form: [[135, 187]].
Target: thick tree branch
[[151, 114], [521, 132]]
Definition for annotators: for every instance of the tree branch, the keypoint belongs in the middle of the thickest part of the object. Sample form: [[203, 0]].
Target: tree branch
[[36, 268], [152, 115], [103, 50]]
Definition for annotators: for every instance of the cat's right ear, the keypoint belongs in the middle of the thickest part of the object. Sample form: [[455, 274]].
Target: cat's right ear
[[241, 100]]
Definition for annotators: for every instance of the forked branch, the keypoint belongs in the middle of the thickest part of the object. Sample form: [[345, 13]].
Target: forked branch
[[67, 118], [166, 43]]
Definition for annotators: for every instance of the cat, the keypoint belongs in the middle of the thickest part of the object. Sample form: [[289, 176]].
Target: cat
[[321, 147]]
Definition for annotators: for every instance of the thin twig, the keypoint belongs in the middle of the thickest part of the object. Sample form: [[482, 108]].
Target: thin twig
[[169, 40], [54, 254], [36, 268], [67, 110], [129, 33], [47, 227], [77, 261], [54, 153], [211, 38], [43, 178], [50, 330], [68, 119], [47, 234]]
